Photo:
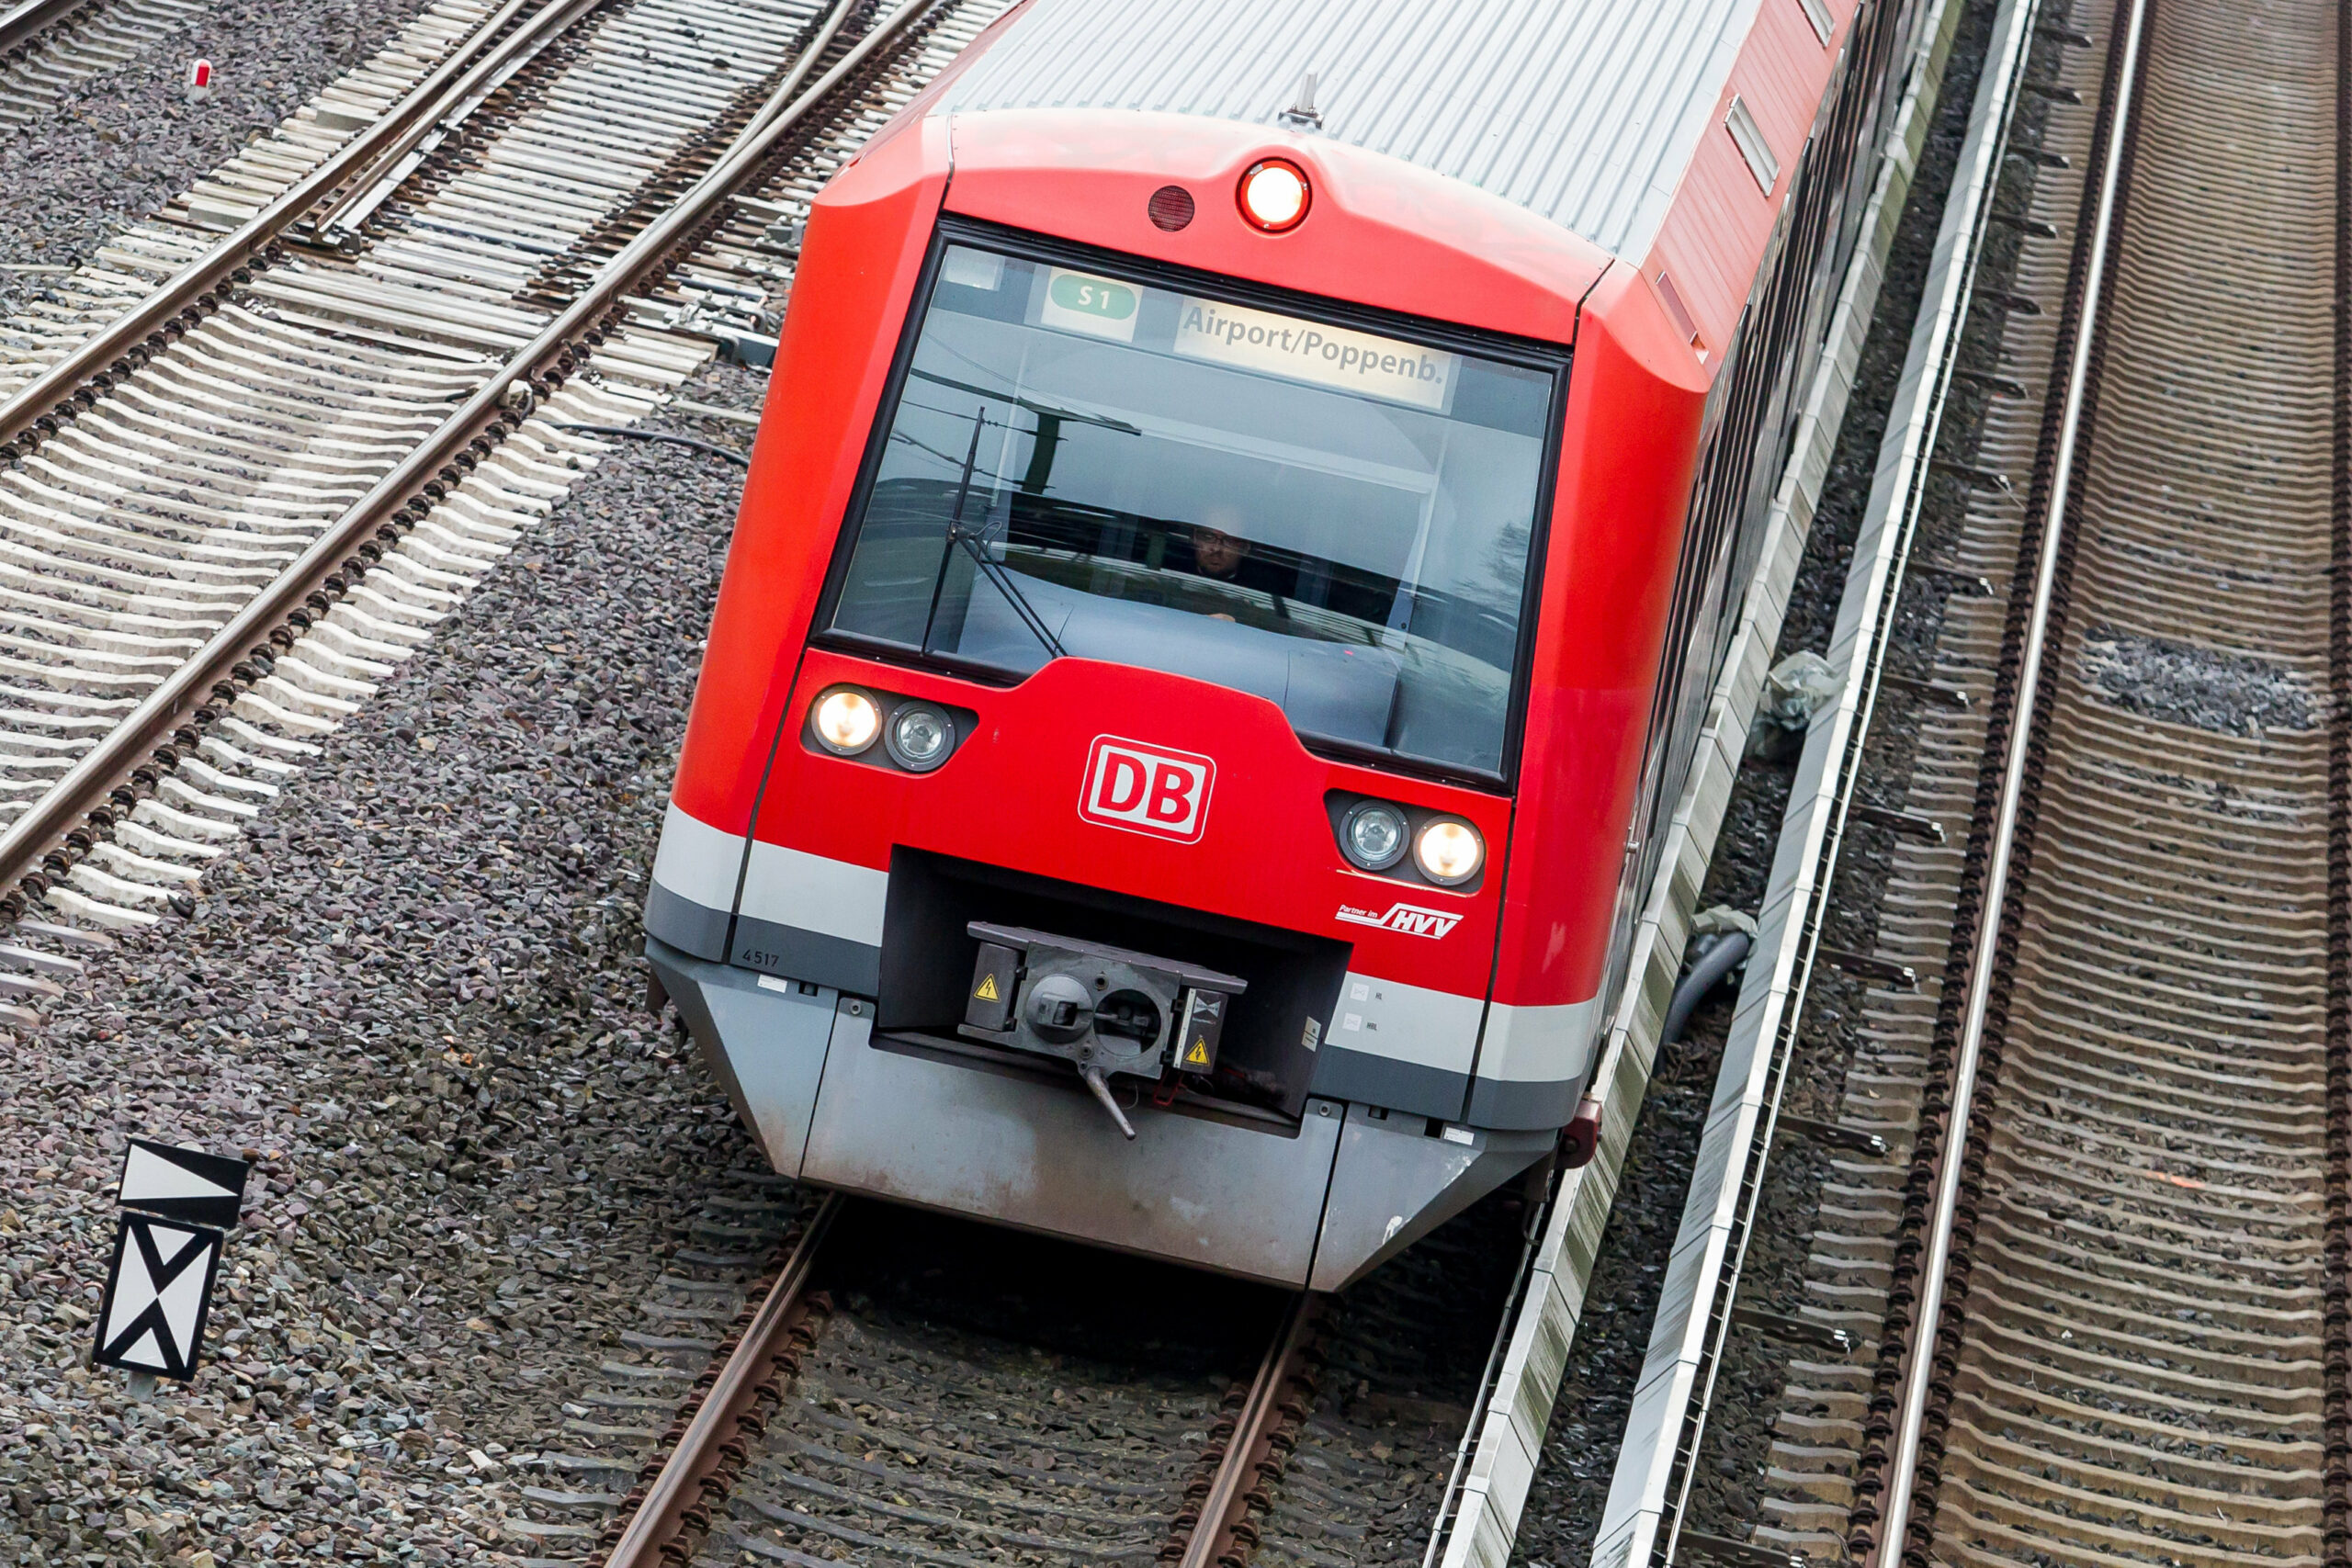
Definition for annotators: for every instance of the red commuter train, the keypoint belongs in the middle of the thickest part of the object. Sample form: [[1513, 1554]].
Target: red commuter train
[[1231, 569]]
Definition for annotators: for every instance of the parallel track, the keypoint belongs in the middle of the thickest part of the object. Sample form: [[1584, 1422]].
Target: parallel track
[[1862, 1277], [216, 440], [26, 23], [2118, 1327]]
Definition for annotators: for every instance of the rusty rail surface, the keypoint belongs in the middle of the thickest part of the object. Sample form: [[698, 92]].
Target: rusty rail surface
[[1217, 1528], [671, 1512]]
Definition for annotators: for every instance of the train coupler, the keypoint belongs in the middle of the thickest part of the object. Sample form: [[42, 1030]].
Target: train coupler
[[1105, 1011]]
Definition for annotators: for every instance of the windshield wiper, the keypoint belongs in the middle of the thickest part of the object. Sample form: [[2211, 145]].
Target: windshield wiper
[[994, 571], [1045, 411]]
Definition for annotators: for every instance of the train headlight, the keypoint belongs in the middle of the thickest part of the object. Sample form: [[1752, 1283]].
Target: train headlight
[[1274, 195], [1449, 852], [1374, 835], [920, 737], [846, 721]]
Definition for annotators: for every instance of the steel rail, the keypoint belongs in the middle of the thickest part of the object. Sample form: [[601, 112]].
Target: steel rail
[[2336, 1314], [719, 1417], [136, 330], [23, 25], [1224, 1511], [791, 84], [1887, 1550], [337, 222], [1531, 1248], [435, 465], [1659, 1465], [344, 208], [681, 1500]]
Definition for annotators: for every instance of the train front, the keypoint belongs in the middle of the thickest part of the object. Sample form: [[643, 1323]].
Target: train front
[[1133, 792]]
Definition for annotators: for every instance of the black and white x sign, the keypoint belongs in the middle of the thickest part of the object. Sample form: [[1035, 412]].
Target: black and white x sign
[[157, 1294]]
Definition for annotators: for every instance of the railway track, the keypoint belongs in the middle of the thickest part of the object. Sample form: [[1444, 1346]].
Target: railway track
[[2133, 1277], [815, 1432], [901, 1388], [2103, 1292], [267, 441]]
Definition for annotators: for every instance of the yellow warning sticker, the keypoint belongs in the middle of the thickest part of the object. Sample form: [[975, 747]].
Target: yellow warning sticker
[[1198, 1056], [986, 993]]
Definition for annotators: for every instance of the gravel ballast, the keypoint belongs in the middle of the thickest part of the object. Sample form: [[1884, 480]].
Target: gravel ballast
[[123, 143], [2160, 678], [413, 993]]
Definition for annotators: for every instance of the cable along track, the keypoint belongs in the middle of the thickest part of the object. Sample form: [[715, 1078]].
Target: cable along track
[[247, 480], [2131, 1283]]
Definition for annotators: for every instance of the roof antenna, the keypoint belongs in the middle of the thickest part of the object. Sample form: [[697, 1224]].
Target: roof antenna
[[1304, 113]]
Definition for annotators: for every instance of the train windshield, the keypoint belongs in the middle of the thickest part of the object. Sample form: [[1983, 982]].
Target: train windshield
[[1335, 520]]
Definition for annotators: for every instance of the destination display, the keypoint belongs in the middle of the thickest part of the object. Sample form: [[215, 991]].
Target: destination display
[[1310, 351]]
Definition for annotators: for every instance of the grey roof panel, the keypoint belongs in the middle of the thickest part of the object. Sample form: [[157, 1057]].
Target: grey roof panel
[[1584, 112]]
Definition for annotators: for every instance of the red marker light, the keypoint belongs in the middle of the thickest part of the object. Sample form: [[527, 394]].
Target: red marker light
[[1171, 208], [1274, 195]]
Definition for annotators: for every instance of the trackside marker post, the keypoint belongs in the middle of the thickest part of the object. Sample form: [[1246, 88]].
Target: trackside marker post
[[199, 80], [159, 1286]]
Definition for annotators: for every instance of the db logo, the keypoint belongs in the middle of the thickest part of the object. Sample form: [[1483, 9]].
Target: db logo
[[1147, 790]]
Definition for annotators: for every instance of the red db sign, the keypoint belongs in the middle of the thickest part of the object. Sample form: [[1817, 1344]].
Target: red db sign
[[1146, 789]]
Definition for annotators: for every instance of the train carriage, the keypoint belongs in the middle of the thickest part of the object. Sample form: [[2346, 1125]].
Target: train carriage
[[1232, 563]]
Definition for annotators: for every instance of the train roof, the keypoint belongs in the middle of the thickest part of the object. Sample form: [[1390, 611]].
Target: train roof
[[1586, 112]]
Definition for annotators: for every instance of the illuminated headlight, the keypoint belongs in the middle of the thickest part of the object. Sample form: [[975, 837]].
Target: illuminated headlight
[[1449, 850], [920, 737], [846, 721], [1274, 195], [1374, 835]]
